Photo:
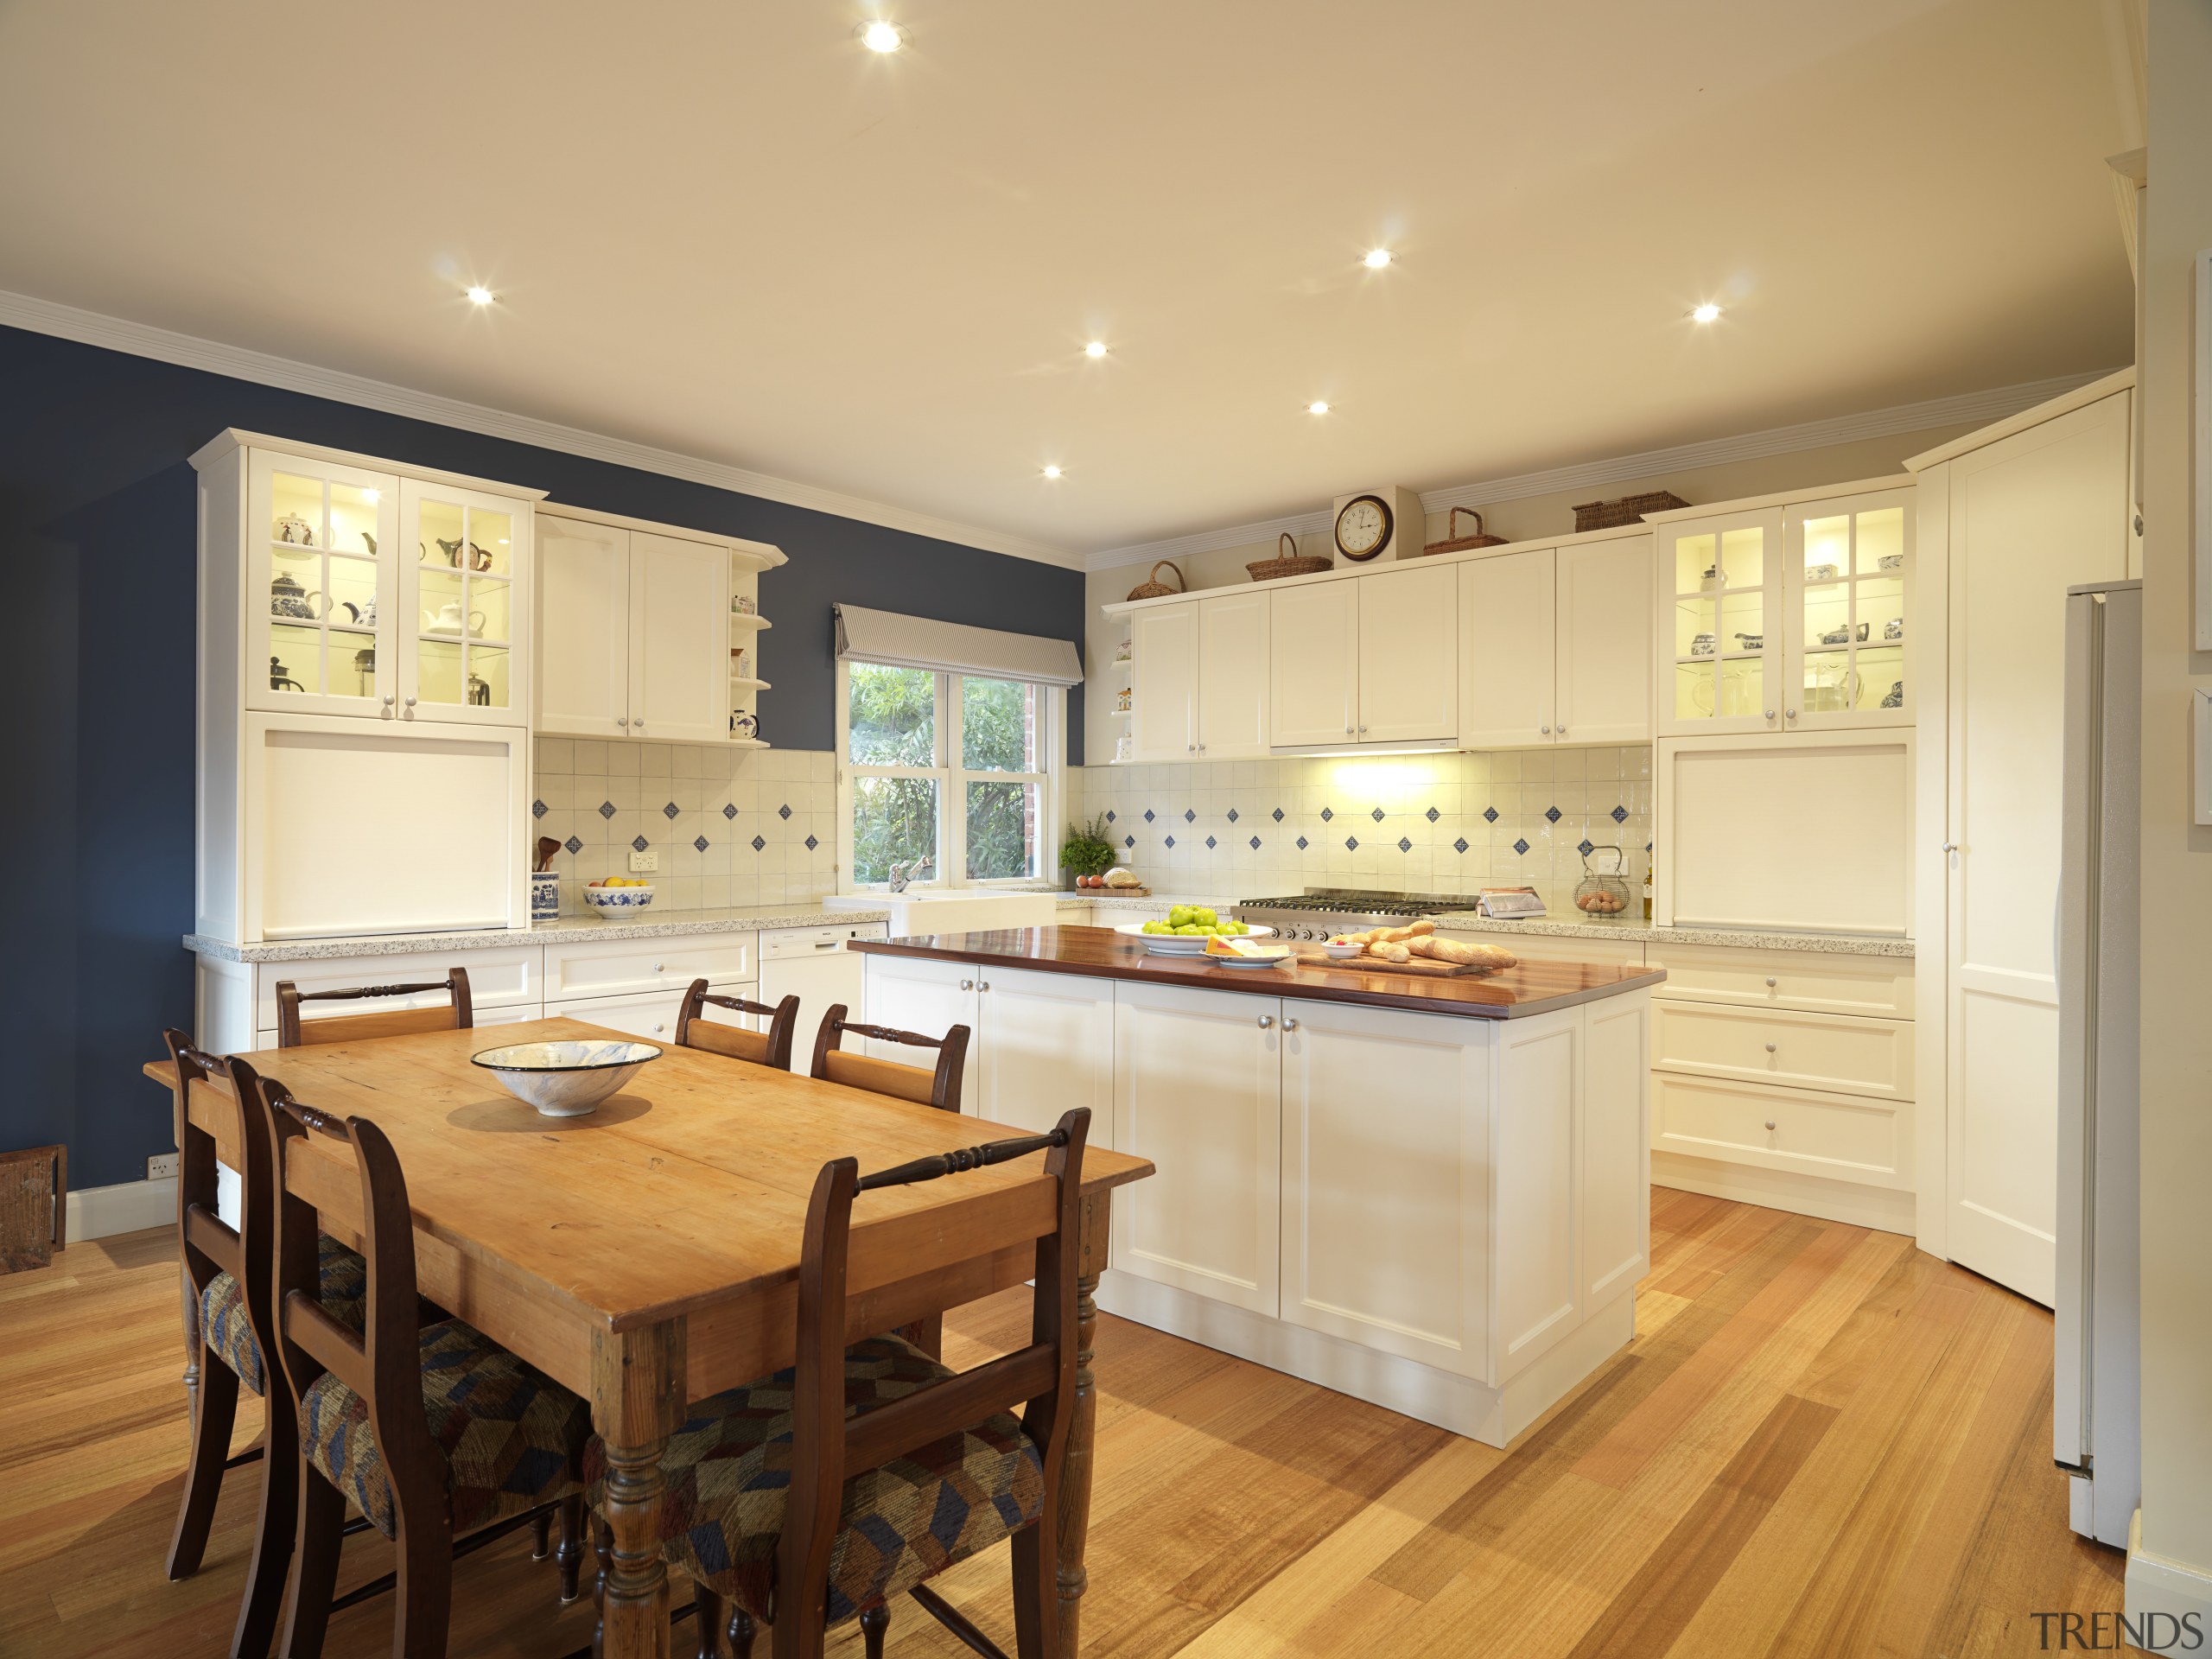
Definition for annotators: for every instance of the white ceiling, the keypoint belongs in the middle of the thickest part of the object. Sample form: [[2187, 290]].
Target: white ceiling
[[727, 230]]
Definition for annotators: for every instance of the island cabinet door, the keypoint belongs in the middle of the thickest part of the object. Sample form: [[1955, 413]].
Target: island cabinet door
[[1197, 1089], [1615, 1128], [911, 994], [1047, 1046], [1537, 1287], [1385, 1187]]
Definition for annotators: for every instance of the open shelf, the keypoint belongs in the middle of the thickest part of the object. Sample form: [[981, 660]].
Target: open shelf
[[750, 685], [738, 620]]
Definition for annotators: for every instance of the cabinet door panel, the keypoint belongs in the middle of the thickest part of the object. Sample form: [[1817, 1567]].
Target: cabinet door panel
[[583, 630], [464, 618], [1847, 599], [910, 995], [1163, 683], [1408, 655], [321, 590], [1313, 665], [1719, 625], [1615, 1130], [1198, 1086], [1233, 676], [1386, 1212], [1047, 1046], [1603, 674], [1506, 650], [1535, 1279], [679, 640]]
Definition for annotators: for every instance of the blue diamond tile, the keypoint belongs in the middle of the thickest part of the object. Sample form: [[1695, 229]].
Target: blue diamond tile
[[1404, 845], [1647, 846], [1460, 845], [1209, 841], [1232, 814], [1189, 817], [728, 809], [700, 843], [1619, 815], [758, 843], [1376, 815], [1431, 815], [1301, 844], [1326, 815], [607, 808], [1490, 815], [1278, 815], [538, 809], [669, 811], [1256, 843], [1128, 841], [1147, 815], [1351, 844], [573, 844], [640, 843], [1585, 846], [1110, 815], [783, 812], [1171, 841], [1552, 812], [1520, 846], [812, 843]]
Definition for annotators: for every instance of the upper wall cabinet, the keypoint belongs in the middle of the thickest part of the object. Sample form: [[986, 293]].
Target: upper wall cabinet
[[1554, 646], [1370, 659], [370, 594], [1787, 617], [1163, 683], [1198, 679]]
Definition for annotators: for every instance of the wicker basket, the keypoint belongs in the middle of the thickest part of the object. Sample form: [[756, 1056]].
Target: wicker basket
[[1153, 588], [1629, 510], [1287, 561], [1456, 543]]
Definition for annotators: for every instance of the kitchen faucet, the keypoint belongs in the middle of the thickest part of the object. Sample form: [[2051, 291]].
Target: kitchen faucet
[[902, 873]]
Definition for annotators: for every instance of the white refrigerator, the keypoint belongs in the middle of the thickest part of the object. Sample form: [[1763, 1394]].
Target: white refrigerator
[[2096, 1437]]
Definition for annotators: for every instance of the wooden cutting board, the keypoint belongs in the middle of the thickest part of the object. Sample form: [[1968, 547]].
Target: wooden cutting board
[[1427, 965]]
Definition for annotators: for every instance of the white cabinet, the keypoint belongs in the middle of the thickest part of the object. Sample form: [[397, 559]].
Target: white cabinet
[[1233, 675], [1198, 1086], [1313, 665], [1602, 669], [583, 630], [464, 596], [1408, 654], [1044, 1046], [1507, 654], [679, 640], [1719, 626], [1163, 683]]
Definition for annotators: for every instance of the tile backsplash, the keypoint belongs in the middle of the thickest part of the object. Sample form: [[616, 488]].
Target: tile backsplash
[[741, 827], [1420, 823]]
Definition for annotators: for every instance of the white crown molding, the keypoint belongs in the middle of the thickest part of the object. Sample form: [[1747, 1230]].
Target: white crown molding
[[1968, 407], [188, 351]]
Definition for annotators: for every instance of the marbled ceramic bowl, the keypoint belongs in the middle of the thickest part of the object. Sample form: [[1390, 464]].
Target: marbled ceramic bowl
[[566, 1080]]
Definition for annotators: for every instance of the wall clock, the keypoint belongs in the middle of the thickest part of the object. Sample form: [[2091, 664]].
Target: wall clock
[[1363, 526]]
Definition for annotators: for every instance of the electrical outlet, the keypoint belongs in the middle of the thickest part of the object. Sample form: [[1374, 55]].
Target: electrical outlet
[[162, 1164], [641, 863]]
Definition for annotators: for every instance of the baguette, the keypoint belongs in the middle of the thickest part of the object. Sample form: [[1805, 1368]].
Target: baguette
[[1388, 951]]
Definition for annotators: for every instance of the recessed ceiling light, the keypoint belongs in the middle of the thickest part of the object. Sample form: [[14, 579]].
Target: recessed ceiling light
[[882, 36], [1096, 348], [479, 294], [1318, 406], [1706, 312], [1377, 257], [1051, 472]]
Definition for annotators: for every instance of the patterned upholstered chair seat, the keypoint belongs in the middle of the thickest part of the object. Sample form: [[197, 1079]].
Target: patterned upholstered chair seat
[[225, 1329], [513, 1439], [729, 1470]]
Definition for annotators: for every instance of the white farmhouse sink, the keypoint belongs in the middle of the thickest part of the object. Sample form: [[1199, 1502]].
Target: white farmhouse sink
[[953, 911]]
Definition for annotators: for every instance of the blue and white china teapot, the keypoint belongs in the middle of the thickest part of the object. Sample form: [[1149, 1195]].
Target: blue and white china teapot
[[287, 598]]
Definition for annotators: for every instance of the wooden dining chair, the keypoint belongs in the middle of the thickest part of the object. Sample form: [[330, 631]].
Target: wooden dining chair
[[443, 1438], [925, 1086], [292, 1031], [229, 1276], [816, 1494], [772, 1047]]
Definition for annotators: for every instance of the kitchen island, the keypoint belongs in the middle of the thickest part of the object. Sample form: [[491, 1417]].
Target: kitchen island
[[1430, 1193]]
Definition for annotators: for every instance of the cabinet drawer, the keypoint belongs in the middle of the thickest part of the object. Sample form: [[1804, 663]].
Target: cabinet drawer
[[1806, 982], [1804, 1051], [1836, 1136], [651, 1018], [502, 977], [628, 967]]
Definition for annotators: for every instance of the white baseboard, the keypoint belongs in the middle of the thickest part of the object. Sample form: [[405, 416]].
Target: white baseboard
[[2168, 1603], [1884, 1209], [126, 1207]]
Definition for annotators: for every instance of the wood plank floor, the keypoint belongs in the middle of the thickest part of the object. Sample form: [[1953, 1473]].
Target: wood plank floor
[[1821, 1442]]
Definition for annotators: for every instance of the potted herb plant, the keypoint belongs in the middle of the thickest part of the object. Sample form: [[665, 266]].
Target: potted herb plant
[[1086, 854]]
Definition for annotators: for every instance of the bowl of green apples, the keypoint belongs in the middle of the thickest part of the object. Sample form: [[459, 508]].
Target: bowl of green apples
[[1186, 930]]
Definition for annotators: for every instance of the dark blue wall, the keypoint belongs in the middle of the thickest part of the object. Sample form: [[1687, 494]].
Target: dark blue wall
[[96, 545]]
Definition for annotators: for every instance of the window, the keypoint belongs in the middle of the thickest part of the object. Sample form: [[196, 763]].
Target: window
[[955, 773]]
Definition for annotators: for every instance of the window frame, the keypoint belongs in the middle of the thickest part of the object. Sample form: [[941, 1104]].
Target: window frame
[[952, 780]]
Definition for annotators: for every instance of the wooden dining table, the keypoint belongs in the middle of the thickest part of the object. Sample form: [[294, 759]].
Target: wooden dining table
[[646, 1253]]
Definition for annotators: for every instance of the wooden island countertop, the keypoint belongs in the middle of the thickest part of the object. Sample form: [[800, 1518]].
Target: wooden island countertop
[[1528, 988]]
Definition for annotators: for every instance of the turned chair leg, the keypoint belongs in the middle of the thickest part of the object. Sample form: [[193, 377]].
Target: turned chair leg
[[541, 1538], [742, 1629], [203, 1477], [314, 1566], [710, 1611], [570, 1556], [875, 1625]]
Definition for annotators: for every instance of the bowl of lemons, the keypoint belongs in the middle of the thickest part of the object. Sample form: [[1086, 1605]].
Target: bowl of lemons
[[1186, 930], [617, 895]]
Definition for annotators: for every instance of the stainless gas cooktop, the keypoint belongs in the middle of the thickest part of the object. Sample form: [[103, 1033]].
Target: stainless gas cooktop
[[1322, 913]]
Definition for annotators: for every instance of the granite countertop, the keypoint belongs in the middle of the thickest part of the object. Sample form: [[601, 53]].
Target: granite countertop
[[1744, 938], [566, 930], [1111, 899]]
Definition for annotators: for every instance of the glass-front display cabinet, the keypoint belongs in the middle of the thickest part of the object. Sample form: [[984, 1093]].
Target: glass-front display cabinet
[[1720, 583], [1848, 636], [372, 594]]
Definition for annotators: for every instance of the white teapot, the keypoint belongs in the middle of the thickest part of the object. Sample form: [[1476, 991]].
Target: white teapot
[[446, 619]]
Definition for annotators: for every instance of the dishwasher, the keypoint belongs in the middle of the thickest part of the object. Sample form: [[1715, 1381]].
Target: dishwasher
[[812, 964]]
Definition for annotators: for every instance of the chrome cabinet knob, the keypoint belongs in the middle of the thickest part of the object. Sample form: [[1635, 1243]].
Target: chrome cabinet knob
[[966, 984], [1770, 981], [1770, 1048], [410, 702], [982, 984], [1190, 748], [1950, 846], [1348, 731], [1267, 1022], [1545, 730], [657, 968], [1789, 713], [1290, 1024], [621, 719], [1561, 732], [659, 1027], [1363, 731], [1769, 1122]]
